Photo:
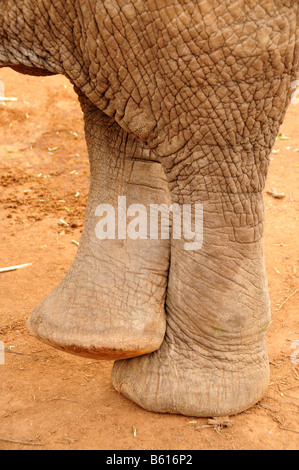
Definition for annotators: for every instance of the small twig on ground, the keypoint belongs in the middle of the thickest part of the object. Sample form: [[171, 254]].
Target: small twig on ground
[[204, 426], [286, 257], [266, 407], [275, 194], [4, 99], [15, 352], [59, 399], [288, 429], [290, 296], [14, 268], [216, 423], [9, 351], [12, 441], [273, 364]]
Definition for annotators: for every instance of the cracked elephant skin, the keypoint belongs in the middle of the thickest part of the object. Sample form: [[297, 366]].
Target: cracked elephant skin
[[182, 101]]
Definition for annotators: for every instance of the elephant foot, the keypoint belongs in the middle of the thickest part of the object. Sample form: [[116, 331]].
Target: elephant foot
[[213, 361], [187, 382], [89, 320]]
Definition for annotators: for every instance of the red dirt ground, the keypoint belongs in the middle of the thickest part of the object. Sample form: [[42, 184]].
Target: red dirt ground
[[64, 402]]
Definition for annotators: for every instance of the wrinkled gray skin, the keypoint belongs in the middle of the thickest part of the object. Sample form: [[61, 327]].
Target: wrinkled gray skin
[[182, 103]]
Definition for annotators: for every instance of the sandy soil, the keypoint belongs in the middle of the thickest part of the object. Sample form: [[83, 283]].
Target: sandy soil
[[50, 400]]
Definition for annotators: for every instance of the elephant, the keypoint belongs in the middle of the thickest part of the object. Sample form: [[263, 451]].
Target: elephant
[[182, 103]]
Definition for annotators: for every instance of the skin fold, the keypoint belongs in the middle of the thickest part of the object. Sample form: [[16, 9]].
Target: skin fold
[[182, 103]]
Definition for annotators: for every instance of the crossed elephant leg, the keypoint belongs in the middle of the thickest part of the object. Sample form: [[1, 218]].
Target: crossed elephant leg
[[110, 305]]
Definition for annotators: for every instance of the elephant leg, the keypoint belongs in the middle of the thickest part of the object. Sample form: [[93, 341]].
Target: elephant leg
[[213, 360], [110, 304], [229, 96]]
